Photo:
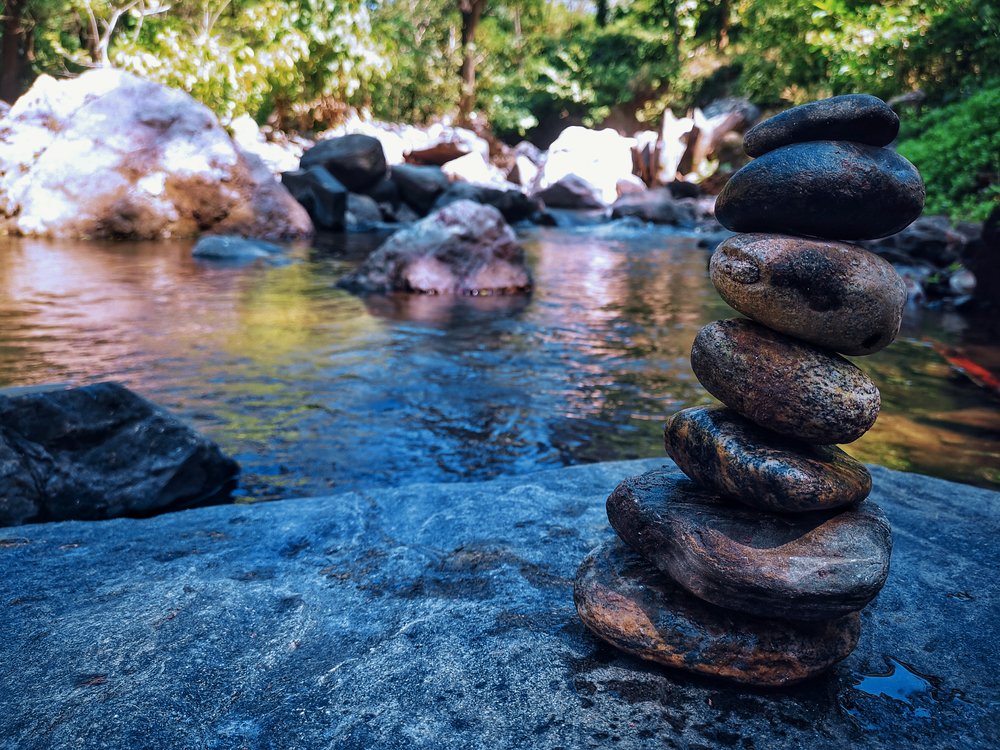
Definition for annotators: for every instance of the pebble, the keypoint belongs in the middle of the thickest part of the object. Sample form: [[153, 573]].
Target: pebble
[[730, 455], [806, 566], [784, 385], [629, 604], [861, 118], [831, 294], [830, 189]]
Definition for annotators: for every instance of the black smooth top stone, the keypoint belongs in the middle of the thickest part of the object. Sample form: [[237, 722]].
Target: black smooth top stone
[[861, 118], [830, 189]]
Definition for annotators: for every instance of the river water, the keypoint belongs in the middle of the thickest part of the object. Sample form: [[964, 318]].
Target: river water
[[312, 389]]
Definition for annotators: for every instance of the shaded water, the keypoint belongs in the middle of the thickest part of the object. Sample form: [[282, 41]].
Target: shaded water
[[313, 389]]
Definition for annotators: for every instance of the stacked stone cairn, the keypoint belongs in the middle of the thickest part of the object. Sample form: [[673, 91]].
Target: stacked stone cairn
[[754, 563]]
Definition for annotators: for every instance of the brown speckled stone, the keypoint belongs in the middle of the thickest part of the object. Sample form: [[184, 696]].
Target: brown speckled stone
[[634, 607], [852, 117], [806, 566], [725, 453], [832, 189], [785, 385], [828, 293]]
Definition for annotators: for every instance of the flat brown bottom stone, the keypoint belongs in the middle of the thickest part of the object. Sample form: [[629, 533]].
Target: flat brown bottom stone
[[802, 566], [630, 604]]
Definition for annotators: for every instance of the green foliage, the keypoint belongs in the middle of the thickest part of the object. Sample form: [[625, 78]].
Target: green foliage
[[957, 150]]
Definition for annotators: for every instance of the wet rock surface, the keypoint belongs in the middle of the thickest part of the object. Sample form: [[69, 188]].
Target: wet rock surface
[[99, 451], [813, 567], [829, 189], [784, 385], [831, 294], [635, 608], [730, 455], [852, 117], [410, 618], [465, 248]]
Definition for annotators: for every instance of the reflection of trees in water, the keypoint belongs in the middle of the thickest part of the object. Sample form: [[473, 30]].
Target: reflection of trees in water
[[313, 388]]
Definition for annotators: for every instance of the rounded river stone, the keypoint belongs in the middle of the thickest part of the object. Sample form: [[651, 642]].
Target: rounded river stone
[[828, 293], [806, 566], [730, 455], [831, 189], [853, 117], [631, 605], [785, 385]]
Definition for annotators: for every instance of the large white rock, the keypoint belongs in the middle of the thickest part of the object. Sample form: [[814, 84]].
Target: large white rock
[[108, 154], [599, 157]]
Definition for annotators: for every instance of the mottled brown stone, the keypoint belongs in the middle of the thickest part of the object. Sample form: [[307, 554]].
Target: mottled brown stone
[[832, 189], [806, 566], [828, 293], [730, 455], [852, 117], [634, 607], [785, 385]]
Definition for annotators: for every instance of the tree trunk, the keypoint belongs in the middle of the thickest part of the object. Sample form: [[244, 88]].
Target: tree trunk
[[472, 11], [12, 34], [602, 13]]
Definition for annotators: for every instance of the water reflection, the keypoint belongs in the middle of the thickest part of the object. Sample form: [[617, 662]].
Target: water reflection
[[312, 388]]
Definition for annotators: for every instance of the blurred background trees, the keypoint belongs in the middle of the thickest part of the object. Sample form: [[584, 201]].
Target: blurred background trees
[[525, 67]]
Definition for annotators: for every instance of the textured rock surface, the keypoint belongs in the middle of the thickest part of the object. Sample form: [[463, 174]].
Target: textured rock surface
[[784, 385], [813, 566], [419, 186], [570, 191], [635, 608], [356, 160], [465, 248], [852, 117], [410, 618], [230, 248], [320, 194], [657, 206], [831, 294], [830, 189], [99, 451], [109, 155], [725, 453]]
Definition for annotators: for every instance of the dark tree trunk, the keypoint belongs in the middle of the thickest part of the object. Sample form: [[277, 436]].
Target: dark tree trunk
[[472, 11], [12, 34], [602, 13]]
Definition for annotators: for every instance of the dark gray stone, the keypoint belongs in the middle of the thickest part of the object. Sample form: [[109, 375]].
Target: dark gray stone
[[321, 195], [419, 186], [233, 248], [356, 160], [830, 189], [99, 451], [513, 204], [656, 206], [363, 213], [852, 117], [431, 616], [571, 191]]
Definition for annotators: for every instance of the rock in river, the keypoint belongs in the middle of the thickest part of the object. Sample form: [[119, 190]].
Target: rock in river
[[634, 607], [465, 248], [356, 160], [831, 294], [806, 566], [852, 117], [783, 384], [734, 457], [830, 189], [99, 451]]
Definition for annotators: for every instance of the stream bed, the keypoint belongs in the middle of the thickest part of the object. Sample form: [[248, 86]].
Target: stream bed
[[314, 390]]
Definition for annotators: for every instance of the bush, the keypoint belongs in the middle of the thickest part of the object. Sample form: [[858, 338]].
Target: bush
[[957, 150]]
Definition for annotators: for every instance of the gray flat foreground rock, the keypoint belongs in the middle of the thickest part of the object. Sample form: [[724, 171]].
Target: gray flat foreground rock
[[441, 616]]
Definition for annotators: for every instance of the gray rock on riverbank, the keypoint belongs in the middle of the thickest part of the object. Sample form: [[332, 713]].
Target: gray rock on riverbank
[[431, 616]]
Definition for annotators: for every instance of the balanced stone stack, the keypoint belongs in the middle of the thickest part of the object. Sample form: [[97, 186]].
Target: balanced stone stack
[[754, 563]]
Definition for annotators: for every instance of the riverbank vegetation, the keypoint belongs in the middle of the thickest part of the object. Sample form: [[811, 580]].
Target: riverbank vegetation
[[528, 68]]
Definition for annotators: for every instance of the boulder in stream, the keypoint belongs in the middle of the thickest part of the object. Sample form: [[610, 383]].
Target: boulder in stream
[[109, 155], [100, 451]]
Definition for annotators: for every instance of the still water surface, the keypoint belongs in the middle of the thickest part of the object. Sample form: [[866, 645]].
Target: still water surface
[[313, 389]]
